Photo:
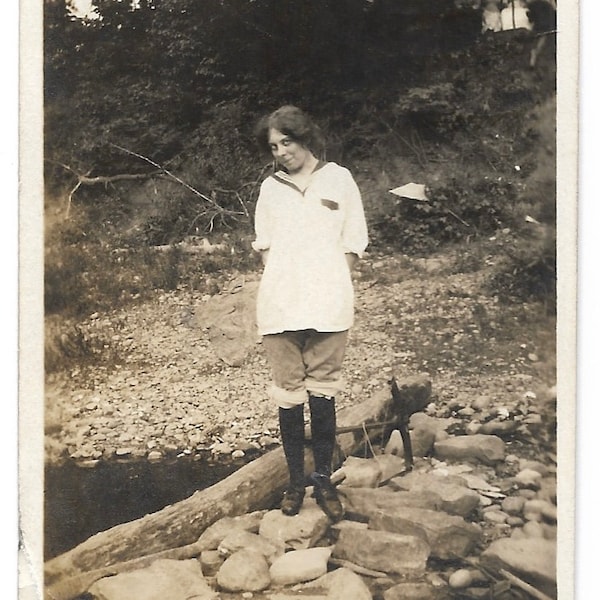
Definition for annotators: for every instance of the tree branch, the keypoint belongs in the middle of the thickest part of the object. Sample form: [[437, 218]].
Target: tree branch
[[173, 176]]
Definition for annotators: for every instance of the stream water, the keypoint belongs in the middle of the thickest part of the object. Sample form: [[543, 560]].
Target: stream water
[[79, 501]]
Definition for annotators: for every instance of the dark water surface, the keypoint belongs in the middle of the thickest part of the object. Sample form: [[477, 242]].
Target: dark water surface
[[79, 501]]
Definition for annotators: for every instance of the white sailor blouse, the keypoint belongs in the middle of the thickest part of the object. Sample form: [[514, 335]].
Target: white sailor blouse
[[306, 283]]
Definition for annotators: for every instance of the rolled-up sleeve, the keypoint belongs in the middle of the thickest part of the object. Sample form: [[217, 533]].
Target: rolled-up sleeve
[[262, 221], [354, 233]]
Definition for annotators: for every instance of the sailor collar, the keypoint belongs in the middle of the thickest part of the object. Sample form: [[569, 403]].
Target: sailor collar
[[283, 177]]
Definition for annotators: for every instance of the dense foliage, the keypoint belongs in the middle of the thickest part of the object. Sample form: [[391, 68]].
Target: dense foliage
[[406, 90]]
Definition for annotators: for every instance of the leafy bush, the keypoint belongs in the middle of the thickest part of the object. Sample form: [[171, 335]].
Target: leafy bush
[[529, 270]]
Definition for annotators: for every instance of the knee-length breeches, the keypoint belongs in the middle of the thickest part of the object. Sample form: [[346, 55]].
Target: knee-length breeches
[[305, 362]]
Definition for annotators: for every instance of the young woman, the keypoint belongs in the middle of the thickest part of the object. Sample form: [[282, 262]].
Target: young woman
[[310, 228]]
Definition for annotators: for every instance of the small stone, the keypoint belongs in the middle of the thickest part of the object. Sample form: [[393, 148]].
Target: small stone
[[514, 521], [236, 454], [220, 448], [533, 357], [357, 389], [496, 427], [123, 451], [513, 505], [533, 529], [527, 494], [495, 516], [211, 561], [534, 465], [460, 579], [481, 403], [473, 427], [155, 456], [394, 444], [528, 478], [550, 532]]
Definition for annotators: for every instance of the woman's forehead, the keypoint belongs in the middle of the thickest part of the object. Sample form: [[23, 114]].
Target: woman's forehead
[[276, 136]]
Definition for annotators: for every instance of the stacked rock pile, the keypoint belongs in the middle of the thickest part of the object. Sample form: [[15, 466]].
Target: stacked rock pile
[[470, 521]]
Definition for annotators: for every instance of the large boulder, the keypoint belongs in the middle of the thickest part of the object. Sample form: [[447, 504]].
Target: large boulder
[[231, 322], [244, 571], [237, 540], [531, 559], [383, 551], [364, 502], [360, 472], [162, 580], [341, 584], [487, 449], [449, 493], [214, 534], [447, 535], [298, 531], [299, 565]]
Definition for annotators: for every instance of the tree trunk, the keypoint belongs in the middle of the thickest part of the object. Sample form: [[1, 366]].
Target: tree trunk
[[254, 486]]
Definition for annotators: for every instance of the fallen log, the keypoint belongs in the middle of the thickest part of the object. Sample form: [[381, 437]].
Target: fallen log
[[254, 486]]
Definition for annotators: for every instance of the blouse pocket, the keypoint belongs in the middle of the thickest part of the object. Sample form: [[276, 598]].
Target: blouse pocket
[[330, 204]]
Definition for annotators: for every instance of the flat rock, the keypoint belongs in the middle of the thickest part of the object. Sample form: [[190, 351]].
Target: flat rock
[[341, 584], [361, 472], [162, 580], [390, 465], [364, 502], [244, 571], [383, 551], [487, 449], [213, 535], [298, 566], [451, 492], [414, 591], [498, 427], [298, 532], [531, 559], [239, 539], [447, 535], [293, 595]]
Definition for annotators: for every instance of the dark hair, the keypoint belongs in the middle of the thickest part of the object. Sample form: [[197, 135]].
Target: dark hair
[[293, 122]]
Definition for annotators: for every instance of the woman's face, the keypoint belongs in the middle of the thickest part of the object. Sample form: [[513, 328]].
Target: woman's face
[[290, 154]]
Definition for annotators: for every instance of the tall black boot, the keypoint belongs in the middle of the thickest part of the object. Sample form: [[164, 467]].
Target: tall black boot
[[323, 424], [291, 427]]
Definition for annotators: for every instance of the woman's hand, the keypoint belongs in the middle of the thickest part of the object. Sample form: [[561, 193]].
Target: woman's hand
[[351, 259]]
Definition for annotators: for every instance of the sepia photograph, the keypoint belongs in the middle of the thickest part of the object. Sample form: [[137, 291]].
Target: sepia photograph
[[297, 299]]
